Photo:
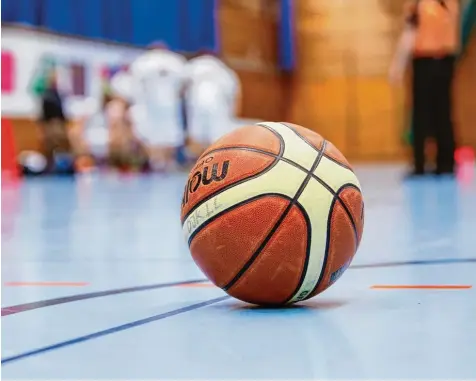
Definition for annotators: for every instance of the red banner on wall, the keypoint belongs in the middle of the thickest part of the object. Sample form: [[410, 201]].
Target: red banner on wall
[[8, 72]]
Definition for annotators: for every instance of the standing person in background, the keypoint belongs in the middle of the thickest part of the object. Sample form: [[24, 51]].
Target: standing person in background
[[157, 114], [53, 124], [212, 99], [431, 38]]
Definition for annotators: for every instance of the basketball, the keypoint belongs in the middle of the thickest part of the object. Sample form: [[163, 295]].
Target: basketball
[[272, 213]]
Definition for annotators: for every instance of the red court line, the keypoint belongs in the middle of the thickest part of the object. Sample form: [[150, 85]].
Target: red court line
[[421, 287], [45, 284]]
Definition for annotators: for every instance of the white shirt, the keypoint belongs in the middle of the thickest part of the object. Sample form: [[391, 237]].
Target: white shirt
[[95, 127], [212, 84], [158, 78], [122, 85]]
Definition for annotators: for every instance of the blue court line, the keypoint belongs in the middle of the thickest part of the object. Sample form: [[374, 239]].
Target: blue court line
[[75, 298], [112, 330], [191, 307]]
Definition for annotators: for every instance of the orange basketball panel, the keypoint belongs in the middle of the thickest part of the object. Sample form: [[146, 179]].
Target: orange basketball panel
[[275, 275], [219, 170], [316, 140], [223, 246], [257, 137], [352, 199], [333, 153]]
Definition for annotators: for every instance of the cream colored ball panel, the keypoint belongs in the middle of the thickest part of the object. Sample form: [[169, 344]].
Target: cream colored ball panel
[[283, 179], [317, 201], [295, 149], [335, 175]]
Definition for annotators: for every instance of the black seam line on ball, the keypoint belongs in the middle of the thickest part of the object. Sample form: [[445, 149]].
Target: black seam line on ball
[[308, 252], [296, 165], [314, 147], [277, 157], [278, 222], [227, 210]]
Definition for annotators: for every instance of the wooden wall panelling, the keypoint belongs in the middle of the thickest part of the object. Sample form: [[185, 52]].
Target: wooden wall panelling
[[26, 134], [465, 96], [344, 50], [249, 40]]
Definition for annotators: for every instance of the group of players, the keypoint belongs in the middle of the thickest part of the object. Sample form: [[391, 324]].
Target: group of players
[[160, 105]]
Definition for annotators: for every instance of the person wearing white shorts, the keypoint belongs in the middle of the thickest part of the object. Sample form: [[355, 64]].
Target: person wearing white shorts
[[212, 98], [157, 114]]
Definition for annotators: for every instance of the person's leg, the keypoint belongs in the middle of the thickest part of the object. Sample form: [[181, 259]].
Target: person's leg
[[88, 146], [197, 130], [140, 124], [147, 126], [420, 106], [174, 136], [158, 145], [78, 141], [55, 141], [443, 111], [47, 142]]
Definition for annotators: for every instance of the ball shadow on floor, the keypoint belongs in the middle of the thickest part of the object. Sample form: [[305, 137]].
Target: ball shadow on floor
[[238, 307]]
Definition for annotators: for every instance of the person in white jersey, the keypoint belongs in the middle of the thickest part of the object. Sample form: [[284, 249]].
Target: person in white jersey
[[157, 114], [212, 99]]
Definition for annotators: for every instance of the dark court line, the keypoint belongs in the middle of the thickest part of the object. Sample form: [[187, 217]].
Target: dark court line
[[112, 330], [182, 310], [75, 298]]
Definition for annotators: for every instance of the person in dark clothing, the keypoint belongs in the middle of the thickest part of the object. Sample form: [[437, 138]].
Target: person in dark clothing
[[431, 40], [53, 124]]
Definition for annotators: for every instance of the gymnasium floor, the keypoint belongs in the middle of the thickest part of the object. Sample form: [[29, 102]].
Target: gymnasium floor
[[97, 283]]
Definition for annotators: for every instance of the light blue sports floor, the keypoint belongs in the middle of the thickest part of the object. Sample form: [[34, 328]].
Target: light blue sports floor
[[133, 304]]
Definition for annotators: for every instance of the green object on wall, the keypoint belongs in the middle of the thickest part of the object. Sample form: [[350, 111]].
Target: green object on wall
[[41, 77], [467, 26]]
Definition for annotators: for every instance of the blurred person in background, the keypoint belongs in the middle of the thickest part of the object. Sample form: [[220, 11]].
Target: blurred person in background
[[55, 139], [212, 99], [157, 112], [431, 40], [105, 134]]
